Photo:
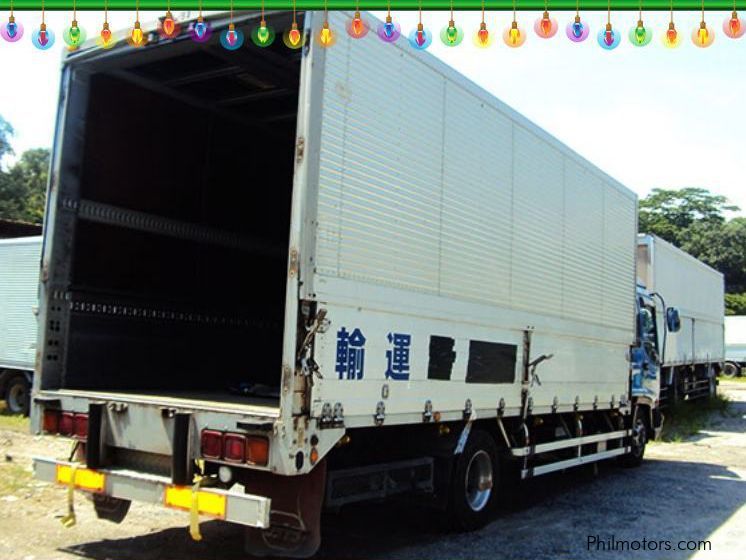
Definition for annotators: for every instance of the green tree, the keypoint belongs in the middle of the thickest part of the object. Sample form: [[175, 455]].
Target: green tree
[[670, 213], [735, 304], [23, 187], [723, 247]]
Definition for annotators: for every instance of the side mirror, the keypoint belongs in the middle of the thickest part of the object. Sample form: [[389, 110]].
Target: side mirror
[[673, 321]]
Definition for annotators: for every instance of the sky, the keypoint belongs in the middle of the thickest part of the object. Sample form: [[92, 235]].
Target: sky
[[650, 117]]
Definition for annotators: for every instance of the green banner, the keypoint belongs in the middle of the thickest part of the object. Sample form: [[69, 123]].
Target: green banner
[[429, 5]]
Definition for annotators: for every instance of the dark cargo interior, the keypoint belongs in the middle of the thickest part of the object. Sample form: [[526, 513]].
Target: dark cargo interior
[[179, 259]]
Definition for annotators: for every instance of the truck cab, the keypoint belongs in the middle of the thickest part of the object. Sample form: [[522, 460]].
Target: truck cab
[[654, 322]]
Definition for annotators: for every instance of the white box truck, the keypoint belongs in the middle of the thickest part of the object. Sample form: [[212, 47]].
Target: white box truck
[[735, 345], [278, 280], [20, 260], [693, 357]]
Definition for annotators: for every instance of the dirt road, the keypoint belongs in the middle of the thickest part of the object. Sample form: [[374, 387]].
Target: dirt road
[[684, 493]]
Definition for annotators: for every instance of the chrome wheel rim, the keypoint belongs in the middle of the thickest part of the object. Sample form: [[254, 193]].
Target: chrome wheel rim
[[478, 483]]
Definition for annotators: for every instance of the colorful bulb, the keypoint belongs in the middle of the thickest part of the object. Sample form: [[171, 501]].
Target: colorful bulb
[[420, 38], [105, 37], [292, 37], [73, 36], [356, 27], [733, 27], [608, 38], [232, 38], [43, 38], [639, 35], [389, 31], [326, 36], [514, 36], [451, 35], [11, 31], [546, 27], [702, 36], [577, 31], [671, 37], [168, 28], [263, 35], [136, 36], [169, 25], [483, 38], [200, 30]]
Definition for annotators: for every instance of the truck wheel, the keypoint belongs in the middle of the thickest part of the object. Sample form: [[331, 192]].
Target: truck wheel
[[639, 441], [474, 485], [18, 395], [730, 369]]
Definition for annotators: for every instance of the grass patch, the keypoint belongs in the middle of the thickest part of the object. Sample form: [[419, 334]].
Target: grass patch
[[13, 422], [690, 417], [736, 379], [13, 477]]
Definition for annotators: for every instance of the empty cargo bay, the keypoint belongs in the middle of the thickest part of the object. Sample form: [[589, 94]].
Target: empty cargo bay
[[177, 268]]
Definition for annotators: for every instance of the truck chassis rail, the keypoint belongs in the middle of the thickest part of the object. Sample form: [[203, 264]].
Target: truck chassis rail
[[244, 509]]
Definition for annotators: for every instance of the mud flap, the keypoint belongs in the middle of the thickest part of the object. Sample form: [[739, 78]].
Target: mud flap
[[295, 519]]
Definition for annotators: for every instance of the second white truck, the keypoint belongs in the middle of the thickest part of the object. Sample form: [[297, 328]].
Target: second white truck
[[19, 285], [692, 358]]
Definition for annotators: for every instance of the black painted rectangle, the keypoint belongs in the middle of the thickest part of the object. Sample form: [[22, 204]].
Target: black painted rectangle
[[442, 357], [491, 362]]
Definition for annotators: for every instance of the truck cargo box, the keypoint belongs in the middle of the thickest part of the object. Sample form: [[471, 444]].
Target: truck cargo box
[[200, 224], [696, 290], [19, 285]]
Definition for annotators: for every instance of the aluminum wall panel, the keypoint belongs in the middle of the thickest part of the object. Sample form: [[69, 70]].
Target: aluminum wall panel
[[442, 212], [19, 280], [695, 289]]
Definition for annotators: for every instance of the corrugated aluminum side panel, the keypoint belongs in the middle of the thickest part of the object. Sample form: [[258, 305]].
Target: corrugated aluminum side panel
[[696, 290], [19, 279], [442, 212], [425, 186]]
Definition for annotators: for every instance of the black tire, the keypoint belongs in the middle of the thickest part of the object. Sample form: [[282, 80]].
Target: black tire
[[730, 370], [18, 395], [639, 441], [473, 491]]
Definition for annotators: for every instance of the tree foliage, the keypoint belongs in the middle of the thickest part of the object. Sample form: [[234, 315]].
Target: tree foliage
[[694, 219], [669, 214], [23, 185]]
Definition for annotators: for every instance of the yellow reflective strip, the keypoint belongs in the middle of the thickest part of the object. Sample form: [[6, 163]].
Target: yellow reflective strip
[[208, 503], [85, 479]]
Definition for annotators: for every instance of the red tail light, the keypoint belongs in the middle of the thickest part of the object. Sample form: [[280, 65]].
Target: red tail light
[[257, 450], [67, 424], [51, 424], [212, 444], [234, 448], [80, 426]]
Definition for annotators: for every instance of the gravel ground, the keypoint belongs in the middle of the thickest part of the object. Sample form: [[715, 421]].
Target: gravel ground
[[689, 491]]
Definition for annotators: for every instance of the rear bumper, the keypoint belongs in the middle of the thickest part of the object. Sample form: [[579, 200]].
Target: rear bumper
[[244, 509]]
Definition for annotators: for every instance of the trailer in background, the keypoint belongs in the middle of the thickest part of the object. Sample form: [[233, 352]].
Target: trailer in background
[[19, 282], [693, 357], [735, 346]]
